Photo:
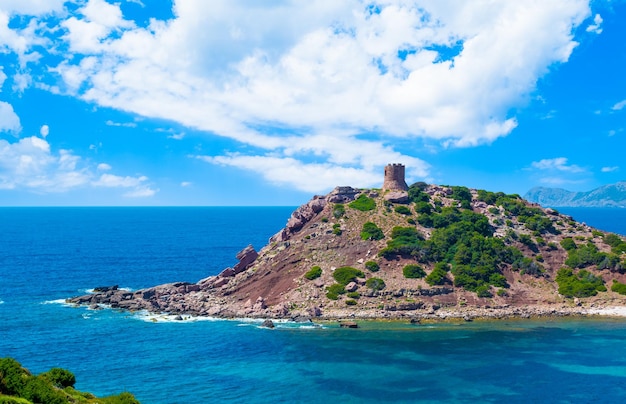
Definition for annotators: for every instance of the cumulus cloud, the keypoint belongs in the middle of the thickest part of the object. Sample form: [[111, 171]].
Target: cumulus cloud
[[609, 169], [307, 85], [9, 121], [121, 124], [559, 164], [30, 164]]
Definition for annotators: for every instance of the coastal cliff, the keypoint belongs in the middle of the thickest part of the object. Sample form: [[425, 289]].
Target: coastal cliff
[[429, 252]]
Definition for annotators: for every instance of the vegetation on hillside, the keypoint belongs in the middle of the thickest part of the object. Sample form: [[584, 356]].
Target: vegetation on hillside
[[476, 240], [56, 386]]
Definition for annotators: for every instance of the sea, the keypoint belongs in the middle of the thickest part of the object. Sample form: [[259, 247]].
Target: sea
[[50, 254]]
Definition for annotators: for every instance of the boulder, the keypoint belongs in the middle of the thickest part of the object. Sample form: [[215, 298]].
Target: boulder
[[268, 324], [397, 197], [246, 257], [351, 287], [348, 324]]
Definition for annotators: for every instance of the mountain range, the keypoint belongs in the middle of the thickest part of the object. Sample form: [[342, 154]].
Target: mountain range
[[612, 195]]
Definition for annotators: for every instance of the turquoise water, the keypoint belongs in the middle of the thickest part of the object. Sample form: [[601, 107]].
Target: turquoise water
[[47, 254]]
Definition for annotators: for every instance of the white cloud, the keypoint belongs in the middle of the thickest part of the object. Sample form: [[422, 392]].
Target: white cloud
[[9, 121], [609, 169], [121, 124], [186, 184], [176, 136], [30, 164], [558, 164], [31, 7], [114, 181], [44, 131], [596, 27], [280, 75], [141, 192], [619, 106]]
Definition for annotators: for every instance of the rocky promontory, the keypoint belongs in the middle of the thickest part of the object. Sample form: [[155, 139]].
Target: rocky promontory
[[429, 252]]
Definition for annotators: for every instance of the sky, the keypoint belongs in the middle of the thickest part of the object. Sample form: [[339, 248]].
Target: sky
[[244, 102]]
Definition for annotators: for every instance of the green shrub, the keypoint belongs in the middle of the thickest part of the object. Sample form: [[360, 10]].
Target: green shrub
[[324, 220], [612, 239], [372, 266], [568, 244], [334, 290], [363, 203], [313, 273], [371, 232], [350, 302], [375, 284], [423, 207], [417, 194], [345, 275], [403, 210], [60, 378], [483, 291], [337, 229], [413, 271], [502, 292], [439, 275], [354, 295], [404, 241], [618, 287], [582, 284], [339, 210]]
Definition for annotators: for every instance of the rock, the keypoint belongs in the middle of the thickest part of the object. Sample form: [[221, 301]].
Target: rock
[[268, 324], [219, 282], [227, 273], [348, 324], [103, 289], [301, 319], [351, 287], [315, 311], [343, 195], [259, 304], [415, 320], [397, 197], [178, 318], [246, 257]]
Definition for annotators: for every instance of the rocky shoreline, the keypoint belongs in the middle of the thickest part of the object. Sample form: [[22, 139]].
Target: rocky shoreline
[[185, 299]]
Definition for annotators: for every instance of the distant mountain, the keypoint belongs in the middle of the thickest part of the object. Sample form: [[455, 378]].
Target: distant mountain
[[612, 195]]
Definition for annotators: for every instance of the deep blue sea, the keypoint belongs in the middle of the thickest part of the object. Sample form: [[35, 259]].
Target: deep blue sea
[[49, 254]]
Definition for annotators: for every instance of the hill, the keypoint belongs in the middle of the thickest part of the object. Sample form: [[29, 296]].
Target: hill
[[612, 195], [428, 251]]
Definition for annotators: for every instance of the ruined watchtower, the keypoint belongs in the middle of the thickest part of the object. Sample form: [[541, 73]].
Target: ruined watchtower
[[394, 178]]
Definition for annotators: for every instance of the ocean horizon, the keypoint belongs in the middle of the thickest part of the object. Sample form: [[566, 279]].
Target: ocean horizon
[[48, 254]]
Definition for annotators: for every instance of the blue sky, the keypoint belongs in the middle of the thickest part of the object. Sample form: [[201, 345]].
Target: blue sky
[[235, 102]]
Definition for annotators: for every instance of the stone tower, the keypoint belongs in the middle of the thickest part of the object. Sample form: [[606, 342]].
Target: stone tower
[[394, 178]]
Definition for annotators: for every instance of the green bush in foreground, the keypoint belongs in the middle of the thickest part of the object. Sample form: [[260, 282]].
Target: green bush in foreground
[[413, 271], [19, 386], [313, 273], [335, 290]]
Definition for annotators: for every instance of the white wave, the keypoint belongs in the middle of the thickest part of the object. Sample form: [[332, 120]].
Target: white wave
[[1, 301], [170, 318], [92, 290], [62, 302]]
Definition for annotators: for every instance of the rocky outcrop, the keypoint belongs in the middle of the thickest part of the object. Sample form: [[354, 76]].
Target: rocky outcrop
[[272, 283], [397, 197]]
